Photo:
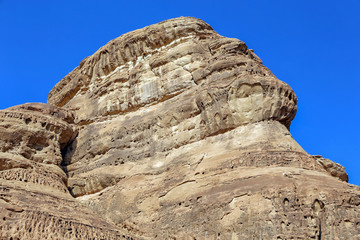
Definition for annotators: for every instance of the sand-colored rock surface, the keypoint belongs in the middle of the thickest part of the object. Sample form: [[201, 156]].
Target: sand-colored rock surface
[[169, 132], [34, 200]]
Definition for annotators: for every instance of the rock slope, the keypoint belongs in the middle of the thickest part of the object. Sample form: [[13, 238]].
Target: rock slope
[[168, 132]]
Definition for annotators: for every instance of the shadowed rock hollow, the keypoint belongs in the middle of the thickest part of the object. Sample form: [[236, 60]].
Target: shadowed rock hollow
[[169, 132]]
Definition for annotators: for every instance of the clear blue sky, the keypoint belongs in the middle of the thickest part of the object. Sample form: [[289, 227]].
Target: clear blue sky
[[312, 45]]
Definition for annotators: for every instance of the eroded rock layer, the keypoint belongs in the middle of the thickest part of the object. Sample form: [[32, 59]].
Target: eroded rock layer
[[175, 132], [34, 200]]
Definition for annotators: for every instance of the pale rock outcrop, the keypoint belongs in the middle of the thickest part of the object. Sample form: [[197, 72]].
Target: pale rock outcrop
[[333, 168], [34, 199], [175, 132]]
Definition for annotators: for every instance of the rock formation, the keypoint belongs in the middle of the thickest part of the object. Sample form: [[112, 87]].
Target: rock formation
[[34, 200], [168, 132]]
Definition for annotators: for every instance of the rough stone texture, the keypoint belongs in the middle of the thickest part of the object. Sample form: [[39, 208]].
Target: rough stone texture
[[174, 132], [333, 168], [34, 200]]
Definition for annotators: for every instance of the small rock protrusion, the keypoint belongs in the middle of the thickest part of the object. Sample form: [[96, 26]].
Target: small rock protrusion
[[335, 169], [317, 206]]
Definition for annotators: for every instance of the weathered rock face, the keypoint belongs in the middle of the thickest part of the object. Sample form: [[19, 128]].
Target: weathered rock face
[[32, 136], [154, 90], [34, 199], [175, 132]]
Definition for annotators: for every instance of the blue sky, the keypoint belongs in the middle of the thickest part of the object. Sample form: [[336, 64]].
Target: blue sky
[[311, 45]]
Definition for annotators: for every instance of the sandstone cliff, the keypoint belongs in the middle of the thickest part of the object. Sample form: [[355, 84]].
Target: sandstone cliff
[[169, 132]]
